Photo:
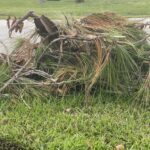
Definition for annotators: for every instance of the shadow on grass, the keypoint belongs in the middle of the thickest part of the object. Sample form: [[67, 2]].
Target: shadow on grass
[[7, 144]]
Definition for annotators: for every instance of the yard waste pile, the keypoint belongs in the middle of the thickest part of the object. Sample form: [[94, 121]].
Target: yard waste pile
[[100, 53]]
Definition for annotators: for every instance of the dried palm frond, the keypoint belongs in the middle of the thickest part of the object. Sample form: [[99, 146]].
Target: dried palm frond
[[24, 52], [100, 53], [103, 21]]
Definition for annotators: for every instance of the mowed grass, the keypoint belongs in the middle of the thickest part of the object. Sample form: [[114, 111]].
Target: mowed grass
[[56, 9], [64, 124]]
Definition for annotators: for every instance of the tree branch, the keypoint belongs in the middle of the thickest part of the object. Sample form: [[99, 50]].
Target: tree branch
[[29, 14], [15, 76]]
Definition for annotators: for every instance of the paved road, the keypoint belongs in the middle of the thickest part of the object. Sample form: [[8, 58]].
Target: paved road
[[29, 29]]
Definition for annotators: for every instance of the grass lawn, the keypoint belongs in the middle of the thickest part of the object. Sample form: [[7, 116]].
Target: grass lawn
[[66, 125], [55, 9], [56, 124]]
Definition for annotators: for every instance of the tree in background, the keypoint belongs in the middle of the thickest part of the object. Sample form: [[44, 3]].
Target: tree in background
[[79, 1], [41, 1]]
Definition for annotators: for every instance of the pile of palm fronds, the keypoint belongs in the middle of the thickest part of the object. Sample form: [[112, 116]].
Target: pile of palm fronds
[[101, 53]]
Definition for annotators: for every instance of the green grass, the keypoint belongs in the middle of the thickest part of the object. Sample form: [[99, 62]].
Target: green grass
[[56, 124], [54, 9]]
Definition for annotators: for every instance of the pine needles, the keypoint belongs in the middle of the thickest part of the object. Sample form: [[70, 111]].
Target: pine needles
[[102, 52]]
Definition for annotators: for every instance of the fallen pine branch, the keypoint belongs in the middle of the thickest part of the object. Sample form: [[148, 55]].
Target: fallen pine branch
[[99, 53], [29, 14], [15, 76]]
